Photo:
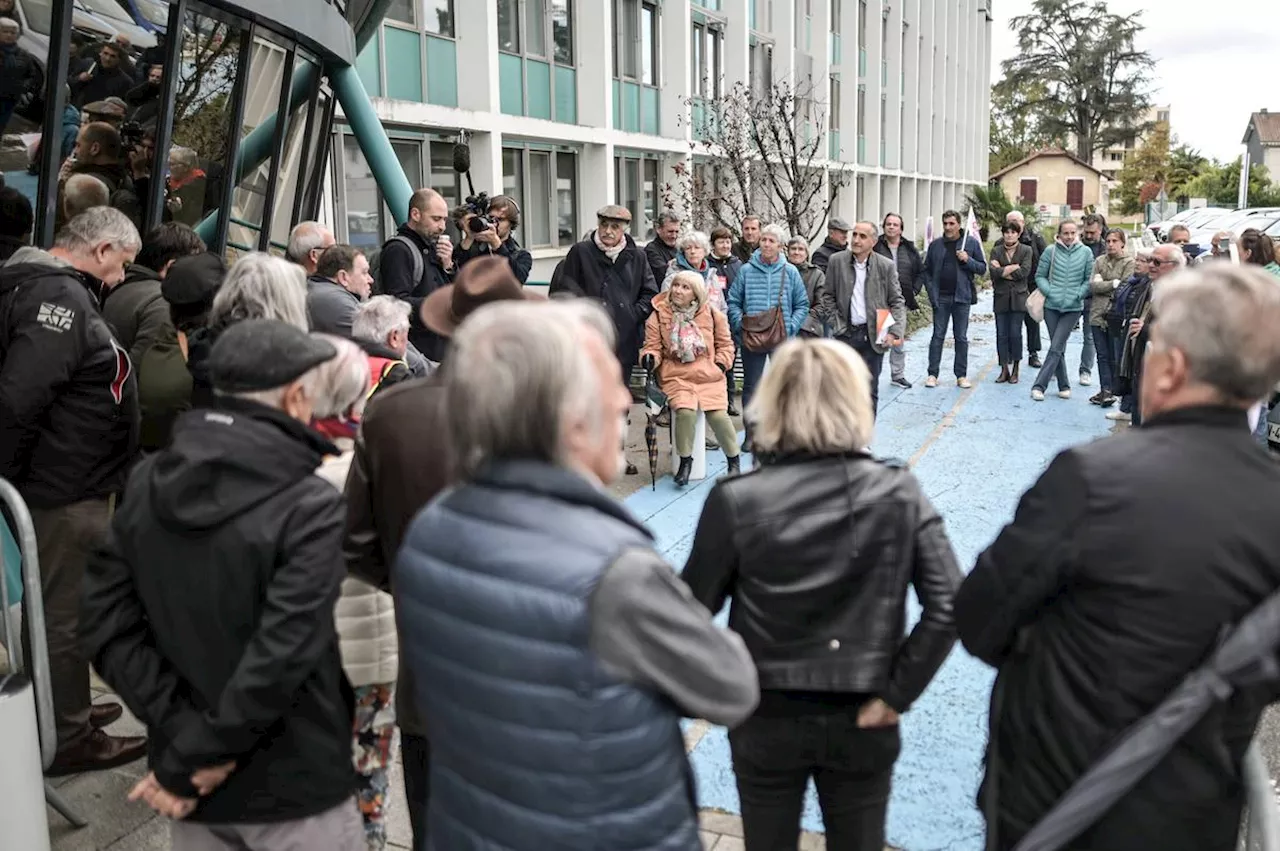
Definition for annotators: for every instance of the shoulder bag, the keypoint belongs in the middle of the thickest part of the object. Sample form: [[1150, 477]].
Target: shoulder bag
[[1035, 301], [764, 332]]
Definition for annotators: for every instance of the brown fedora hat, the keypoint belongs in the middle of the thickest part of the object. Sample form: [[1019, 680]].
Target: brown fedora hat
[[481, 281]]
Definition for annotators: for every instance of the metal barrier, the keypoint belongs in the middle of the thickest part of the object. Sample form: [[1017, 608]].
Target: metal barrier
[[33, 623]]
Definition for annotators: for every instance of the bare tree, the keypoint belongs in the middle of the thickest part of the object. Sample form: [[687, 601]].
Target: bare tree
[[761, 153], [202, 116]]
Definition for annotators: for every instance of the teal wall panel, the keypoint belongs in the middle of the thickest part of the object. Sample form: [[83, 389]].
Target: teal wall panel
[[538, 88], [631, 107], [510, 84], [617, 104], [566, 95], [442, 71], [369, 65], [404, 64], [649, 111]]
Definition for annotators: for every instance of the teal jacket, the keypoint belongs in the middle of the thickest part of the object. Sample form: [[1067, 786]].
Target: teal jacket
[[1063, 276]]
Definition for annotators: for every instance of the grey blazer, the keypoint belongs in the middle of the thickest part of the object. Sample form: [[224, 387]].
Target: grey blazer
[[883, 293]]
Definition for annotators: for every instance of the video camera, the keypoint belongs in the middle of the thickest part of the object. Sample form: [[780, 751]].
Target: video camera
[[478, 206], [131, 135]]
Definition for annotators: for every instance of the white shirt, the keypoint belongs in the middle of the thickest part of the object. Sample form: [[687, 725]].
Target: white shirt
[[858, 303]]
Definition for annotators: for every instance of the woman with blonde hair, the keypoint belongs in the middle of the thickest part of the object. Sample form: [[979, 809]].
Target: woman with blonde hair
[[687, 342], [365, 616], [815, 550]]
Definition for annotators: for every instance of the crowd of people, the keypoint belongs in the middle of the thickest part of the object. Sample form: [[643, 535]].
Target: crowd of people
[[295, 508]]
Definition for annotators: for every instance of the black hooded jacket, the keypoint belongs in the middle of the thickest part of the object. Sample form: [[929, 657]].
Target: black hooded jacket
[[210, 611], [68, 397]]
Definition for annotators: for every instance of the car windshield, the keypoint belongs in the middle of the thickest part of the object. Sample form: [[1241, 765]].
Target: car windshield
[[108, 9], [39, 15], [1261, 222], [1274, 230]]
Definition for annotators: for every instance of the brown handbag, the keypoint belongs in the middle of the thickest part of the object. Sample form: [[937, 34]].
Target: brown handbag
[[764, 332]]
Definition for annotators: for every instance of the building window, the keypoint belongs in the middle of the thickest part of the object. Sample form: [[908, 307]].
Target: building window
[[862, 24], [833, 106], [636, 182], [539, 28], [438, 17], [1027, 188], [761, 68], [1075, 193], [444, 179], [368, 218], [509, 26], [402, 11], [707, 49], [635, 42], [549, 179], [1162, 115], [835, 15]]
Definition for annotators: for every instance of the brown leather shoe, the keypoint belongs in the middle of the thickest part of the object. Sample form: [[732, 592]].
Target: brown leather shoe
[[1013, 373], [97, 752], [104, 714]]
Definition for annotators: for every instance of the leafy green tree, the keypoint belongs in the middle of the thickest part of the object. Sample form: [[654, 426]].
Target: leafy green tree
[[1077, 70], [1149, 164], [991, 205], [1185, 163], [1219, 184], [1015, 131]]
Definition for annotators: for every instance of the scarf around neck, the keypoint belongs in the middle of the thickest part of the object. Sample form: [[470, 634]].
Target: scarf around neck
[[686, 338], [611, 253]]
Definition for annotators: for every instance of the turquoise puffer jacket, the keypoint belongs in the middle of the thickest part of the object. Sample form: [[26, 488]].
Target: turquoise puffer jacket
[[1063, 276], [756, 289]]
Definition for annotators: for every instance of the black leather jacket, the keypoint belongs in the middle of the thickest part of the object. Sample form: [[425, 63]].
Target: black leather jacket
[[817, 553]]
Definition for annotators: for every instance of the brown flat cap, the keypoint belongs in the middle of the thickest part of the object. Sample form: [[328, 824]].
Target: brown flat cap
[[614, 213], [481, 281], [102, 107]]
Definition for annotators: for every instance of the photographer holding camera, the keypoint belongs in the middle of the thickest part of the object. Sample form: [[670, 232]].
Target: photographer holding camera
[[486, 229]]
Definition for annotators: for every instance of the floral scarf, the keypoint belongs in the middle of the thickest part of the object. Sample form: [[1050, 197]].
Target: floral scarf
[[686, 338]]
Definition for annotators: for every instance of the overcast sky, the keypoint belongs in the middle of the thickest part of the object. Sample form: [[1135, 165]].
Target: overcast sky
[[1216, 63]]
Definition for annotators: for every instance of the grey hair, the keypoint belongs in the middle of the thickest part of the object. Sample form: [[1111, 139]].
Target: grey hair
[[667, 217], [1223, 318], [778, 232], [376, 318], [262, 286], [798, 240], [1015, 216], [186, 156], [694, 238], [340, 383], [82, 192], [95, 226], [10, 22], [1177, 255], [334, 387], [303, 239], [515, 376]]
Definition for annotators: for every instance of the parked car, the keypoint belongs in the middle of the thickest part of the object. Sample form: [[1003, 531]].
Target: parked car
[[1252, 217], [1191, 217]]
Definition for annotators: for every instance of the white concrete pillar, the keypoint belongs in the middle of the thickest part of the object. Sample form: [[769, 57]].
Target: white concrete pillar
[[477, 27], [486, 160], [596, 187], [676, 25], [595, 66]]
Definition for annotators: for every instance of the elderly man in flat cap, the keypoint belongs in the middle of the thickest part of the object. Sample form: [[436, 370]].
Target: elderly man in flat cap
[[210, 609], [610, 267]]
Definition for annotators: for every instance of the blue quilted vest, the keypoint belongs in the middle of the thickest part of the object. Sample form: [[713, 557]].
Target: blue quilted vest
[[534, 745]]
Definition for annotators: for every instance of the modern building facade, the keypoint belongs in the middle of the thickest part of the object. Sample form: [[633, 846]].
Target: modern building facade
[[569, 105]]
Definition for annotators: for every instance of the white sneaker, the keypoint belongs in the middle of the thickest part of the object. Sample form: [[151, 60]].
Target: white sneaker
[[931, 381], [1037, 394], [1064, 394], [1086, 378], [963, 383], [1119, 416]]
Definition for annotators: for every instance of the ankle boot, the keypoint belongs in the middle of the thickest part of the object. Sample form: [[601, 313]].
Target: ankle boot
[[735, 466], [1004, 375], [682, 474], [1013, 374]]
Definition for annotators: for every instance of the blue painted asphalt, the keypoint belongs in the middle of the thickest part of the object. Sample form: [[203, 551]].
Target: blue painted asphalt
[[977, 454]]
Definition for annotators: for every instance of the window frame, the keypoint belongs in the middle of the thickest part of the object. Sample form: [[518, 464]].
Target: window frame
[[554, 153], [1078, 181], [629, 15], [648, 169], [1035, 190], [548, 34]]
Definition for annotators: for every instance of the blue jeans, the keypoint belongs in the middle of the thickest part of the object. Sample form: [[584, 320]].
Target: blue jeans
[[752, 368], [1060, 323], [1087, 355], [6, 112], [1107, 366], [947, 310], [1009, 337]]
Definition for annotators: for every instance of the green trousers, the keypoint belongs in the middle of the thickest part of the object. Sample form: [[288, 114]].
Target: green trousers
[[721, 426]]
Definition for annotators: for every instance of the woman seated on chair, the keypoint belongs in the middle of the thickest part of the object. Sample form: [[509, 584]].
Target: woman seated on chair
[[689, 345]]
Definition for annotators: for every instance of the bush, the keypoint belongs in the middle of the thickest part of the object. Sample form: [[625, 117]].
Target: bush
[[920, 318]]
